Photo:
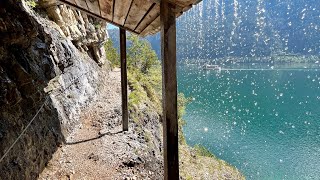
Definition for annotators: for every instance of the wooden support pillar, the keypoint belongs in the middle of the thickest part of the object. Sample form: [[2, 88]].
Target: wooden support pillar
[[169, 93], [124, 80]]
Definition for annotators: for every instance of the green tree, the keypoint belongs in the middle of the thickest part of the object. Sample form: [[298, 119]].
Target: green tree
[[140, 55], [112, 54]]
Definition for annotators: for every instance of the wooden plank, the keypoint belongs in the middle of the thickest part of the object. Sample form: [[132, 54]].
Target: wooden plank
[[155, 25], [121, 10], [137, 11], [169, 91], [181, 5], [153, 14], [72, 1], [93, 6], [124, 80], [106, 8], [184, 3], [82, 4]]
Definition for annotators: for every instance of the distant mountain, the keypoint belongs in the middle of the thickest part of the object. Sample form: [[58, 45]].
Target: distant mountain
[[247, 28], [115, 37], [219, 28]]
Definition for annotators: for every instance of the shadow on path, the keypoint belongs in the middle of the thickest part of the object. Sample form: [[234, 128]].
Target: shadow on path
[[91, 139]]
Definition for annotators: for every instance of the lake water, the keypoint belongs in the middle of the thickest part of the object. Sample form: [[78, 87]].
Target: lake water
[[264, 122]]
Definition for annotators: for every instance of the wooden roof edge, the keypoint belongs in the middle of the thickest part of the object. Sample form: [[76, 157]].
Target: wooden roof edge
[[96, 16], [194, 3], [179, 10]]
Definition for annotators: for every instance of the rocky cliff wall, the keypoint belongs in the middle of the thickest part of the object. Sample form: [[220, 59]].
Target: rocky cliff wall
[[88, 34], [46, 67]]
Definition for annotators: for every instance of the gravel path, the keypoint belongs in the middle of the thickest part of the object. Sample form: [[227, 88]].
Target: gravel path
[[99, 149]]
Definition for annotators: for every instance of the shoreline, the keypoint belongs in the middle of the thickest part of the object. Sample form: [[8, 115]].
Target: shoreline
[[280, 59]]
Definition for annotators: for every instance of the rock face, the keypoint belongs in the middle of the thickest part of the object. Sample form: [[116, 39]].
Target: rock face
[[43, 73], [87, 33]]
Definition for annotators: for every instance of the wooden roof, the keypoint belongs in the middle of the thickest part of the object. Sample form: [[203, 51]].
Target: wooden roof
[[138, 16]]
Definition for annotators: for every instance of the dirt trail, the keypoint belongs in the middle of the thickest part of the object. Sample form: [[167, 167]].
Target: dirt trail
[[99, 148]]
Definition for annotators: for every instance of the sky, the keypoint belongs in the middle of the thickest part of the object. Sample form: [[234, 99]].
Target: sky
[[110, 26]]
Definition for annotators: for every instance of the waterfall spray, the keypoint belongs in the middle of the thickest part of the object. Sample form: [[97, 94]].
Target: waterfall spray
[[235, 22], [261, 24]]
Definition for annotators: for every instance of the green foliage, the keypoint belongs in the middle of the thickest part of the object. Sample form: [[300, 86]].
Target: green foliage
[[31, 3], [97, 25], [141, 56], [144, 74], [137, 94], [202, 151], [112, 54], [182, 103]]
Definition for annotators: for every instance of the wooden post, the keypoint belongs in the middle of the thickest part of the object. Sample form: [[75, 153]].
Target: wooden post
[[124, 80], [169, 93]]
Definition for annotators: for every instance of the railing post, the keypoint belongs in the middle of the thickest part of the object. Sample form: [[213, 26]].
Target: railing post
[[124, 80], [169, 93]]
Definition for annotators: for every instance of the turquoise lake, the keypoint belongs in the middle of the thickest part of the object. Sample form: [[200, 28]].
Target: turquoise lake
[[264, 122]]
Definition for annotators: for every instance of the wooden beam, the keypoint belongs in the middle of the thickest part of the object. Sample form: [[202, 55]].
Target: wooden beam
[[169, 93], [180, 3], [125, 19], [113, 6], [151, 27], [106, 8], [82, 4], [124, 80], [121, 10], [145, 15], [137, 11], [149, 18], [72, 1], [93, 6]]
